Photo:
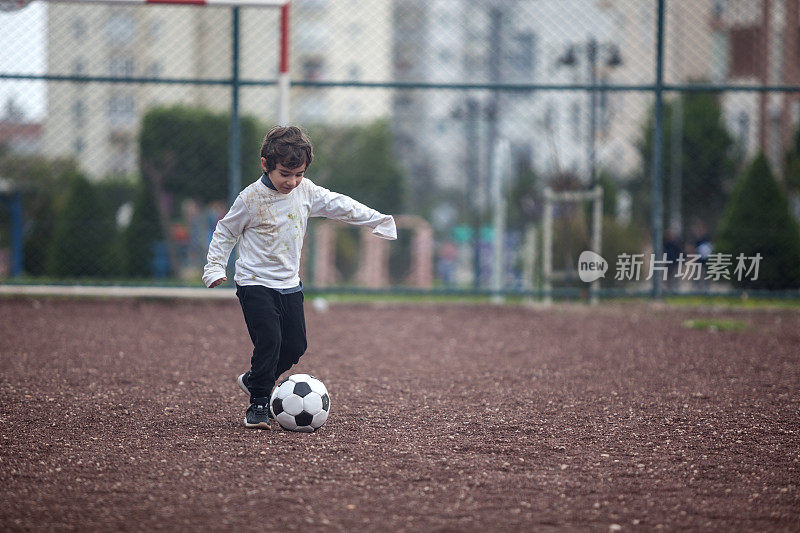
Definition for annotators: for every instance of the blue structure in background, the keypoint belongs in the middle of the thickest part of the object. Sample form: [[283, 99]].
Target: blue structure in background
[[12, 198]]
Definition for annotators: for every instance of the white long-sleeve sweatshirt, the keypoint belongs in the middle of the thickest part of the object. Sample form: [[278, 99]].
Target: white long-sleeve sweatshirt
[[271, 226]]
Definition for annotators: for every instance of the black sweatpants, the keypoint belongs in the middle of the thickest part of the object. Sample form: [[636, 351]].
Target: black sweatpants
[[277, 327]]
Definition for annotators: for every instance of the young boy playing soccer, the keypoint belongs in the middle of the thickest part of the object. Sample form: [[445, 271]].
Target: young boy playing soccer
[[269, 219]]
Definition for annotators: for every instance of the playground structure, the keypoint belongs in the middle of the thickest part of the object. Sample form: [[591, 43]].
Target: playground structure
[[373, 271]]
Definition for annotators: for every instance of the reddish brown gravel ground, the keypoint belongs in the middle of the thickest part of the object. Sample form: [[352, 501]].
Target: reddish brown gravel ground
[[125, 415]]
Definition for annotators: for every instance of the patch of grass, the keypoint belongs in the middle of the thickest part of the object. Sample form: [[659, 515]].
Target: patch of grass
[[734, 301], [714, 324], [412, 298]]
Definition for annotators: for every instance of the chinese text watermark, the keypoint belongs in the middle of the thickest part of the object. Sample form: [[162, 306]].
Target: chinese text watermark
[[688, 267]]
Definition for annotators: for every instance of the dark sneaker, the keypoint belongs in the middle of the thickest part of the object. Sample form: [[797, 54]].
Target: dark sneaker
[[257, 416], [243, 380]]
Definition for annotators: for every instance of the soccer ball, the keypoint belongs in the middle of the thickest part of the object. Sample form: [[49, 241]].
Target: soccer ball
[[300, 403]]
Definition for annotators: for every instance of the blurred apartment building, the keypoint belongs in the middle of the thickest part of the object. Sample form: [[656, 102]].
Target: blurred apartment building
[[98, 122], [444, 136], [759, 44]]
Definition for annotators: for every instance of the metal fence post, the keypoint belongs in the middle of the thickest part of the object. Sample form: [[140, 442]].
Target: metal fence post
[[658, 147], [17, 246], [547, 251], [235, 162], [597, 238], [473, 196]]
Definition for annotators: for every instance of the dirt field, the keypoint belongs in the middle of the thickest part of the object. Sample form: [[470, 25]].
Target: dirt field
[[125, 415]]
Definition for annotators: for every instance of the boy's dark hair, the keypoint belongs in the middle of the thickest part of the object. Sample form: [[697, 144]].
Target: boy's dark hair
[[287, 145]]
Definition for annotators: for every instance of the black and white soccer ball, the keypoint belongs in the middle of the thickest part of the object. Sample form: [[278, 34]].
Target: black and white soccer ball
[[300, 403]]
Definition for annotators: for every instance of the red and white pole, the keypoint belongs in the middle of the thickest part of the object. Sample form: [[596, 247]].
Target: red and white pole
[[283, 75]]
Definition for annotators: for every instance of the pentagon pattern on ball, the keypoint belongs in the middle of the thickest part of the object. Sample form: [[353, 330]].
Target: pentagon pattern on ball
[[277, 406], [302, 389], [326, 402], [303, 419], [300, 403]]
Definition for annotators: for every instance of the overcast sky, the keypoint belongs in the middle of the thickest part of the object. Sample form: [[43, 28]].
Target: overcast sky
[[22, 51]]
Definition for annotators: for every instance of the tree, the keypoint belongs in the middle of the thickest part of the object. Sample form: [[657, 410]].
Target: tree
[[523, 198], [757, 220], [41, 181], [184, 153], [358, 161], [793, 164], [84, 236], [186, 149], [707, 159], [141, 236]]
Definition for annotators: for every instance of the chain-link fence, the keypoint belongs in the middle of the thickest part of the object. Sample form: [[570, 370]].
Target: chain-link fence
[[116, 158]]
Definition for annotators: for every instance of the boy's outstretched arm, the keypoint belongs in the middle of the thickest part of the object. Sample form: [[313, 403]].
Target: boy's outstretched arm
[[226, 234], [325, 203]]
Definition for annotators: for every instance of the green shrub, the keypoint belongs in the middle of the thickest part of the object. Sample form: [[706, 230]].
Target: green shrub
[[85, 234], [757, 219], [42, 181], [141, 235], [619, 238]]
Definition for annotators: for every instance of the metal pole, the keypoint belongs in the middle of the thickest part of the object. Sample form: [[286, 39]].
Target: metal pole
[[597, 237], [675, 167], [676, 138], [658, 147], [592, 53], [17, 248], [235, 161], [284, 83], [495, 59], [499, 170], [547, 245], [529, 260], [474, 177]]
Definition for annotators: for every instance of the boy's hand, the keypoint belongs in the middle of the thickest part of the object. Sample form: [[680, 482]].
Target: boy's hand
[[215, 283]]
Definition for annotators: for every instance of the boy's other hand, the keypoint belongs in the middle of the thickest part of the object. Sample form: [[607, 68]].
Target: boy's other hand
[[217, 282]]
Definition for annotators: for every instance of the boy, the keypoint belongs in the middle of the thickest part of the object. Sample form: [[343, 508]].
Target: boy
[[269, 219]]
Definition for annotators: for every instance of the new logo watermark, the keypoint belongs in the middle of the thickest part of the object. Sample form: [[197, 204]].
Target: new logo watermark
[[591, 266], [629, 267]]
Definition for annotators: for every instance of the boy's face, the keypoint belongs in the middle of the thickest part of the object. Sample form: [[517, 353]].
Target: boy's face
[[284, 179]]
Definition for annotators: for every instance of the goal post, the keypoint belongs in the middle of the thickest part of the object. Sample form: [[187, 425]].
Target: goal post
[[594, 195]]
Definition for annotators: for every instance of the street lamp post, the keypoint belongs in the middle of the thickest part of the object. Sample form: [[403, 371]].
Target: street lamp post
[[613, 59]]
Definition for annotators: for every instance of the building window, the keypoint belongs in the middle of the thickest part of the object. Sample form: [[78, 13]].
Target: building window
[[121, 110], [122, 157], [78, 28], [403, 100], [155, 29], [79, 67], [121, 67], [575, 115], [153, 70], [311, 68], [79, 112], [79, 146], [121, 29], [746, 57], [549, 118], [446, 56], [521, 55]]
